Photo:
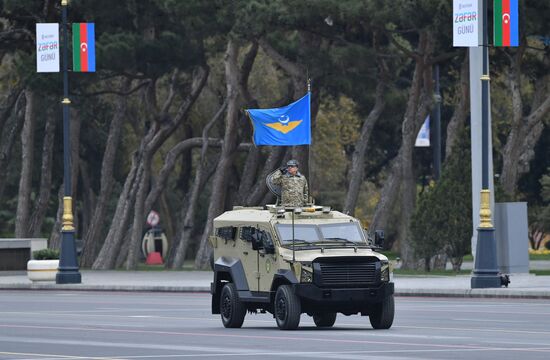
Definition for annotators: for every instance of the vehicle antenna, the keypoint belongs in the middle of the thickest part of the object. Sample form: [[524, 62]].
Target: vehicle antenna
[[293, 242]]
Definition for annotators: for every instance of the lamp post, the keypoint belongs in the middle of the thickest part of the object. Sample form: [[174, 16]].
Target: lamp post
[[485, 274], [68, 267]]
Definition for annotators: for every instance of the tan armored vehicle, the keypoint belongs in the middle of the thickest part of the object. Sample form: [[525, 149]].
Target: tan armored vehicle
[[287, 262]]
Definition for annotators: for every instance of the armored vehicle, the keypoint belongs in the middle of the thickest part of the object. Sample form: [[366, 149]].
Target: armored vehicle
[[289, 261]]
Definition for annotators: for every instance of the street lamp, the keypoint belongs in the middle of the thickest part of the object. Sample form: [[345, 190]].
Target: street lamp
[[485, 274], [68, 267]]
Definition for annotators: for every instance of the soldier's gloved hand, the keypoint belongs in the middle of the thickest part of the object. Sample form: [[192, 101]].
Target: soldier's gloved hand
[[283, 169]]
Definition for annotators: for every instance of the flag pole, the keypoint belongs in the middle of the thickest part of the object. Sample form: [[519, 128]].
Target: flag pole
[[309, 145]]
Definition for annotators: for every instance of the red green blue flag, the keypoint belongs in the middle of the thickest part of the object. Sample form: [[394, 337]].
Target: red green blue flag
[[84, 47], [506, 22]]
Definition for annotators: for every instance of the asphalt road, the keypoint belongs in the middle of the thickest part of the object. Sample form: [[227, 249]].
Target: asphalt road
[[101, 325]]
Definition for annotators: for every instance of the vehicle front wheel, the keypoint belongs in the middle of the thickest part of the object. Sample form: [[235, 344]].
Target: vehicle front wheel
[[287, 308], [324, 320], [231, 308], [381, 316]]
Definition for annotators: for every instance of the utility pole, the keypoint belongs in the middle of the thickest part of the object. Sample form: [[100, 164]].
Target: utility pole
[[68, 266]]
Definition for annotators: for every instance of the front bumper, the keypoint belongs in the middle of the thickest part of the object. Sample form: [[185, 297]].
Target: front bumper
[[355, 298]]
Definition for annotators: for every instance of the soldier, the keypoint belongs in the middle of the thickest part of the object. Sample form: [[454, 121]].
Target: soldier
[[294, 189]]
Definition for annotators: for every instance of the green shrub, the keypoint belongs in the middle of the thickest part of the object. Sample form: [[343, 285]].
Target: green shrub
[[46, 254]]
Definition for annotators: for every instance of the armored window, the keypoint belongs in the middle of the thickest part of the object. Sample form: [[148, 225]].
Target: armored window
[[266, 238], [226, 232], [247, 233]]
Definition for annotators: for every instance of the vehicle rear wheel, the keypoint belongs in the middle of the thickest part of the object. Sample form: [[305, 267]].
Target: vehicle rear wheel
[[324, 320], [287, 308], [231, 308], [381, 316]]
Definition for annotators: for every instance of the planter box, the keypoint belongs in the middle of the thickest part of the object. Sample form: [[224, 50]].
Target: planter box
[[42, 270]]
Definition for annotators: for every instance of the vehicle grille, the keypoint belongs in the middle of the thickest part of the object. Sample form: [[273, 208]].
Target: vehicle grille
[[348, 274]]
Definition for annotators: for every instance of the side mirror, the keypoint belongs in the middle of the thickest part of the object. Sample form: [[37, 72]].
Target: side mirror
[[379, 238]]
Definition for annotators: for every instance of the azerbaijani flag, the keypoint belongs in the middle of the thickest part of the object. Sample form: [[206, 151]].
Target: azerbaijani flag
[[84, 47], [506, 21]]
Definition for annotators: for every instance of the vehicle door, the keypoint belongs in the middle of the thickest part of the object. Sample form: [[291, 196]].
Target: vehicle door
[[266, 258]]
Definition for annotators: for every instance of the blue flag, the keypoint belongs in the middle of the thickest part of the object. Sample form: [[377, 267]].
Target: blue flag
[[285, 126]]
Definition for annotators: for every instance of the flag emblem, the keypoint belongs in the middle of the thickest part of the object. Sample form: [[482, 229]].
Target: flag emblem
[[84, 47], [285, 126]]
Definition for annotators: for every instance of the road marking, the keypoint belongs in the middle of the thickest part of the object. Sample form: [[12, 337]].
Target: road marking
[[57, 356], [316, 354], [243, 336], [498, 321], [474, 329]]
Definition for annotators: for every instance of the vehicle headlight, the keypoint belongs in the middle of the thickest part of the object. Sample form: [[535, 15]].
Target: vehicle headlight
[[384, 271], [306, 276]]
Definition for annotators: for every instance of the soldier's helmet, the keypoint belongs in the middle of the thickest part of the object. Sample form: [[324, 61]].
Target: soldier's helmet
[[292, 163]]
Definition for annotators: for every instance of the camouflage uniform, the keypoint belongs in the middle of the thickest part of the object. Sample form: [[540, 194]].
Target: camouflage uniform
[[294, 189]]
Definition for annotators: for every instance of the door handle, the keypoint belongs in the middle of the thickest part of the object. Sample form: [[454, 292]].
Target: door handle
[[245, 252]]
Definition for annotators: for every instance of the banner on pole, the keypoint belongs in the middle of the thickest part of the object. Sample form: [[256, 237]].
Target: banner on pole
[[423, 137], [506, 23], [47, 47], [84, 47], [465, 23]]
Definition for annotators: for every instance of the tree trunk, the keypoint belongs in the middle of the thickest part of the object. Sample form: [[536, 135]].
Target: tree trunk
[[139, 214], [462, 108], [400, 181], [138, 180], [525, 130], [189, 219], [88, 201], [12, 126], [106, 258], [54, 241], [219, 185], [357, 169], [7, 110], [22, 220], [41, 204], [96, 228]]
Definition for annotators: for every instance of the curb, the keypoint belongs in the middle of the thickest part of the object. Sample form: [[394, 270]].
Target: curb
[[449, 293], [122, 288], [475, 293]]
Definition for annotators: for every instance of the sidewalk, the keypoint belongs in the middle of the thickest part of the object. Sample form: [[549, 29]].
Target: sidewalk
[[522, 286]]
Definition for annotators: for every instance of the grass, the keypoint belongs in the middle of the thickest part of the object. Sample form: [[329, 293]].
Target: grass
[[539, 256], [540, 272]]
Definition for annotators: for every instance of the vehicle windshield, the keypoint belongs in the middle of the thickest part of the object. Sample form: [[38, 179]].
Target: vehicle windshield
[[345, 233]]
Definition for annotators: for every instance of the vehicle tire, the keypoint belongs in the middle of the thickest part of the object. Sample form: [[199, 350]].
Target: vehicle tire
[[287, 308], [381, 316], [324, 320], [232, 309]]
